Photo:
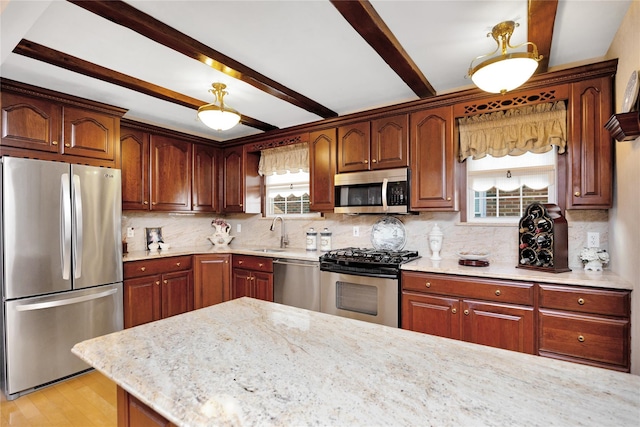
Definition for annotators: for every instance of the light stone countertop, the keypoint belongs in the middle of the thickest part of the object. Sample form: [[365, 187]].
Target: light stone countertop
[[604, 279], [253, 363]]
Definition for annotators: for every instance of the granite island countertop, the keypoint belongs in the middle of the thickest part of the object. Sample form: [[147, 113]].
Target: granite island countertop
[[249, 362]]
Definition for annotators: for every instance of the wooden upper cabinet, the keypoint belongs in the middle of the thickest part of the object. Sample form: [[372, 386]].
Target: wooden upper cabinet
[[90, 134], [590, 146], [322, 169], [377, 144], [30, 123], [205, 178], [170, 174], [433, 163], [233, 189], [134, 149]]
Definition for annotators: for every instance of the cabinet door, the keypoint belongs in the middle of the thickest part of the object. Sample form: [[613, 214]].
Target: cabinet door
[[205, 178], [90, 134], [322, 169], [590, 145], [141, 300], [241, 283], [30, 123], [170, 174], [134, 151], [433, 160], [262, 285], [499, 325], [431, 315], [390, 142], [177, 293], [233, 171], [354, 143], [211, 280]]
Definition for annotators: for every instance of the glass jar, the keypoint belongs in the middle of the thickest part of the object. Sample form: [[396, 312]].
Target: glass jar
[[325, 240], [312, 240]]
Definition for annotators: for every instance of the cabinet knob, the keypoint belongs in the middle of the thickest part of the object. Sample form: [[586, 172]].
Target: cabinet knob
[[248, 277], [157, 282], [260, 265], [581, 301], [498, 292], [240, 262], [67, 145], [154, 203], [428, 284], [143, 268], [366, 162], [240, 204], [448, 199], [145, 202], [54, 142], [580, 338], [165, 281], [178, 264], [195, 205], [454, 311], [374, 161], [577, 194], [466, 312]]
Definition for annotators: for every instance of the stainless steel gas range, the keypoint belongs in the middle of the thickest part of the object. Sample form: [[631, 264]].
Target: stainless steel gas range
[[362, 283]]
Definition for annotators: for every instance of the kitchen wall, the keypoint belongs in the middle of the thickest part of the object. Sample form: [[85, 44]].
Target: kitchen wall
[[501, 241], [624, 219]]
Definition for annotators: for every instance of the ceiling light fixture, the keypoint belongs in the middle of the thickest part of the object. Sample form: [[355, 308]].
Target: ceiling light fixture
[[217, 116], [500, 74]]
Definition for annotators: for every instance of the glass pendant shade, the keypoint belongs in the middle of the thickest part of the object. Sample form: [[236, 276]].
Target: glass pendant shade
[[504, 73], [217, 116]]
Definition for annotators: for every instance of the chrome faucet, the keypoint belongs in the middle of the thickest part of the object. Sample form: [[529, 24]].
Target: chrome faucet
[[284, 239]]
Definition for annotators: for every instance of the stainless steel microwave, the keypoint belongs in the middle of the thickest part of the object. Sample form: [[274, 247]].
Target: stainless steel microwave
[[381, 191]]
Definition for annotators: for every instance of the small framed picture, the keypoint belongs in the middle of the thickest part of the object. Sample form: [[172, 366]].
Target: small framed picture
[[154, 235]]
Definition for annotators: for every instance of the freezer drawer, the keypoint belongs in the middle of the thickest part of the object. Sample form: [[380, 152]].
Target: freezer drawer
[[40, 332]]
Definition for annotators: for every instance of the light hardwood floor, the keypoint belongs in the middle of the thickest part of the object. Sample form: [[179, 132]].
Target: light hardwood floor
[[84, 401]]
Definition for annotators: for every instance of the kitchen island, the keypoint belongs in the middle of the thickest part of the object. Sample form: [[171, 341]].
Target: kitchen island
[[250, 362]]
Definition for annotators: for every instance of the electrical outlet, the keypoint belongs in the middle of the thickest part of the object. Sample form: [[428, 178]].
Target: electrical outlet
[[130, 232], [593, 239], [238, 228], [356, 231]]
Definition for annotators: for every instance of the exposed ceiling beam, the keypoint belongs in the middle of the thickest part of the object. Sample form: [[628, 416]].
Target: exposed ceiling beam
[[54, 57], [542, 17], [126, 15], [366, 21]]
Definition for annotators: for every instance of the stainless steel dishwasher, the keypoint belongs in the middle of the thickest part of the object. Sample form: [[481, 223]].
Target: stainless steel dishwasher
[[297, 283]]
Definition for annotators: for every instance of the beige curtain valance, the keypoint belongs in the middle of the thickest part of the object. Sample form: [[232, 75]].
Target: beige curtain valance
[[534, 128], [280, 160]]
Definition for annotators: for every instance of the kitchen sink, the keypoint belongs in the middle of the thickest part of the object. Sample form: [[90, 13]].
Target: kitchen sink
[[267, 250]]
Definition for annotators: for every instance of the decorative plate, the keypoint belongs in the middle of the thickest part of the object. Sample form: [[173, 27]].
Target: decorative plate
[[474, 255], [631, 92], [388, 233]]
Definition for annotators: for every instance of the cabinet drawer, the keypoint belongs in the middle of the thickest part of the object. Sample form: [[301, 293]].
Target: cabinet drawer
[[484, 289], [156, 266], [596, 339], [585, 300], [253, 263]]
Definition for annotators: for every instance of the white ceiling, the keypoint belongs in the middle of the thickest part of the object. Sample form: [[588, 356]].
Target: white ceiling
[[305, 45]]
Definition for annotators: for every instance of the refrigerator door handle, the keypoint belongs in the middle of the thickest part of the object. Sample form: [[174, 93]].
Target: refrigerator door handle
[[65, 301], [65, 226], [77, 241]]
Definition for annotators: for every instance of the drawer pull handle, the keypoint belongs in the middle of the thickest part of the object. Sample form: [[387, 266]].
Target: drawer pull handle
[[581, 301], [466, 312], [143, 268], [165, 281], [428, 284], [580, 338], [178, 264], [454, 311], [498, 292]]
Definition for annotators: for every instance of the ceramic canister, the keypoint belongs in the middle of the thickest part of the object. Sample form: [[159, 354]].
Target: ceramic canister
[[312, 240], [325, 240]]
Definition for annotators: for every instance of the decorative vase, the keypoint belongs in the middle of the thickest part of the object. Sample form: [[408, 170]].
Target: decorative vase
[[221, 237], [435, 242]]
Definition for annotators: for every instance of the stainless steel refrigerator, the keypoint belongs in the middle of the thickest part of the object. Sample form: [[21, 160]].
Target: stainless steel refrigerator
[[61, 267]]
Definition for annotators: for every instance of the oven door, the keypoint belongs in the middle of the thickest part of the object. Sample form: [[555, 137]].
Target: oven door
[[372, 299]]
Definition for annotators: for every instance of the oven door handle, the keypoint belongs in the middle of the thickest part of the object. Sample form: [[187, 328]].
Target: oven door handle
[[385, 207]]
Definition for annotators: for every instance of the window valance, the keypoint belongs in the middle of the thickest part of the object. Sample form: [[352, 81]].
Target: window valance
[[534, 128], [280, 160]]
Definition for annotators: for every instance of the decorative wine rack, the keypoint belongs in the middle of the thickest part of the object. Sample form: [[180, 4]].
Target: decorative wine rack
[[543, 239]]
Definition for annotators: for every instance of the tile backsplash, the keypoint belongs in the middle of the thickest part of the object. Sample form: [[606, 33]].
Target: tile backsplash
[[184, 230]]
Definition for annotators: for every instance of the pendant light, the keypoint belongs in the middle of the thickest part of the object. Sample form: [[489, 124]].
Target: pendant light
[[507, 71], [218, 116]]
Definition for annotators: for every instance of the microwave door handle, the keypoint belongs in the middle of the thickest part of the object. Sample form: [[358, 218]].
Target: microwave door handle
[[385, 207]]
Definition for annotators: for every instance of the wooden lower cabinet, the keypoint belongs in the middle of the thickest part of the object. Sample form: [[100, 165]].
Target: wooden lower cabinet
[[133, 413], [156, 289], [212, 283], [252, 277]]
